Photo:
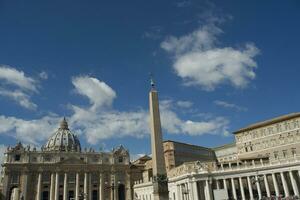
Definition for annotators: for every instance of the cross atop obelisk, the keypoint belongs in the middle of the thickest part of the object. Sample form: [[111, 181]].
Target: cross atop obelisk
[[160, 181]]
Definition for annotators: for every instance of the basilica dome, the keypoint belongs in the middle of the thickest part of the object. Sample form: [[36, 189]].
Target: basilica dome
[[63, 140]]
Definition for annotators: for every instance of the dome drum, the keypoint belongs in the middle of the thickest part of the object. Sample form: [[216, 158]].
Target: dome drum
[[63, 140]]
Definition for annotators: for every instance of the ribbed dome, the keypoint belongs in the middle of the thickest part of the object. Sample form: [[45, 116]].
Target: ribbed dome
[[63, 140]]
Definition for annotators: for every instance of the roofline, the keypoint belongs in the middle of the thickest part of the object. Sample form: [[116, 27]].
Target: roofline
[[225, 145], [188, 144], [268, 122]]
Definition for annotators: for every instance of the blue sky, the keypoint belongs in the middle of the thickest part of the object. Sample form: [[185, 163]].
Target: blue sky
[[218, 66]]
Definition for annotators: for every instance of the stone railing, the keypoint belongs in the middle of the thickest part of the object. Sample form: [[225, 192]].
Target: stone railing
[[261, 164], [204, 168], [191, 167]]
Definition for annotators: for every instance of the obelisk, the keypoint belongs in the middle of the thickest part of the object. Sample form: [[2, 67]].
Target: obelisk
[[160, 180]]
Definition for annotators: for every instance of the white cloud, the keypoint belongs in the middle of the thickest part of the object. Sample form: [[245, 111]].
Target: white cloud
[[98, 92], [14, 84], [173, 124], [101, 123], [98, 125], [29, 131], [19, 97], [182, 4], [43, 75], [184, 104], [14, 77], [215, 126], [198, 60], [154, 33], [229, 105], [99, 120], [96, 121]]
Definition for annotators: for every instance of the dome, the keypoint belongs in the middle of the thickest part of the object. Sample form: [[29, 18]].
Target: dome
[[63, 140]]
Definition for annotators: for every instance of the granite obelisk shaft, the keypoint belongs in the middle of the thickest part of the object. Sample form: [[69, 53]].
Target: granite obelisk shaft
[[160, 181]]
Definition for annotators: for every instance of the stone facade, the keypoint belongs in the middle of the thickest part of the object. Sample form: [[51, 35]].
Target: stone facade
[[62, 170], [279, 137], [270, 167], [176, 153]]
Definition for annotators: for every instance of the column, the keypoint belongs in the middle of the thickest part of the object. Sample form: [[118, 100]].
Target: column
[[77, 187], [5, 183], [101, 188], [89, 186], [275, 184], [195, 190], [56, 186], [294, 184], [116, 197], [39, 186], [285, 187], [186, 194], [86, 185], [24, 185], [225, 185], [208, 190], [113, 186], [267, 186], [242, 188], [190, 191], [233, 189], [52, 185], [258, 187], [250, 188], [65, 197], [128, 192], [218, 185], [178, 193]]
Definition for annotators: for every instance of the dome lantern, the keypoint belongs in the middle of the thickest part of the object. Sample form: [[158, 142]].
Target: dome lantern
[[64, 124]]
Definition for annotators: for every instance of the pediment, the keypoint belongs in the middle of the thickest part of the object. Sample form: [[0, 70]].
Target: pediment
[[120, 150], [72, 160]]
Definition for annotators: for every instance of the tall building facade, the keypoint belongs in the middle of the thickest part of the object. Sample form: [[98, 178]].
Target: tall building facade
[[263, 162], [61, 170]]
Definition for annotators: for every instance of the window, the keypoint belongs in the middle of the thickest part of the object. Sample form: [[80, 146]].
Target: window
[[46, 177], [15, 178], [72, 177], [278, 128], [17, 157], [286, 125], [276, 154], [270, 130], [284, 152], [47, 158], [120, 159], [293, 151]]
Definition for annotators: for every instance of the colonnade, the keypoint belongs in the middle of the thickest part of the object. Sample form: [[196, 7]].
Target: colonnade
[[56, 183], [243, 187], [257, 182]]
